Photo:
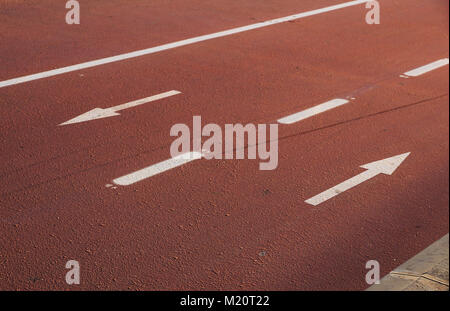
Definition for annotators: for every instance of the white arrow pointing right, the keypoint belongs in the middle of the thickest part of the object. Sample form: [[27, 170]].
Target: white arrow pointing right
[[386, 166]]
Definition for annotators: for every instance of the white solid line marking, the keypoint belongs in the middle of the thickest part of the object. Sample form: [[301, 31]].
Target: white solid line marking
[[100, 113], [176, 44], [427, 68], [313, 111], [157, 169], [386, 166]]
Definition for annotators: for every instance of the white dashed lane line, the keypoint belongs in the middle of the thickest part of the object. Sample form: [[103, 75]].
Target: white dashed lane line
[[427, 68], [302, 115], [157, 168], [337, 102], [386, 166]]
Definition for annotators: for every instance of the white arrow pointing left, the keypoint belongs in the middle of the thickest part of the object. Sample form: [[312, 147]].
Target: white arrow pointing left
[[386, 166], [100, 113]]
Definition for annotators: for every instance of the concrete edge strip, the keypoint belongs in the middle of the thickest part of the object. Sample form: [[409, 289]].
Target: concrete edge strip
[[416, 268], [425, 276]]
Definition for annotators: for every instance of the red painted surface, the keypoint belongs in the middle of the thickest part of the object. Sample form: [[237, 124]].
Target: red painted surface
[[206, 224]]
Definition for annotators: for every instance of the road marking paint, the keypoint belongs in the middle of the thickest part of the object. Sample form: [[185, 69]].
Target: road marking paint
[[386, 166], [176, 44], [100, 113], [157, 169], [296, 117], [427, 68]]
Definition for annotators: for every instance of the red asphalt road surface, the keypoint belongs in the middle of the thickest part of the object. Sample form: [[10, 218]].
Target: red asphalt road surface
[[219, 224]]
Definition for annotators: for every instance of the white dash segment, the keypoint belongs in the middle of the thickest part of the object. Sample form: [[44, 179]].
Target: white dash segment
[[157, 169], [302, 115], [176, 44], [427, 68]]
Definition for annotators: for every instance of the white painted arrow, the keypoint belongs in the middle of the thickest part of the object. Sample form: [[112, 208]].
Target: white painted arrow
[[100, 113], [386, 166]]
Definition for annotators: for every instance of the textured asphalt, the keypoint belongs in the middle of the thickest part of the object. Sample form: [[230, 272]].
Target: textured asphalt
[[219, 224]]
